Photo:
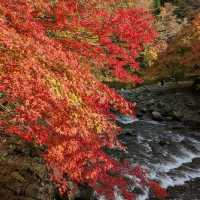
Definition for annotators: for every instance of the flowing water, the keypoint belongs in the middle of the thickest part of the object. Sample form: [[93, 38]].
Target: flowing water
[[171, 157]]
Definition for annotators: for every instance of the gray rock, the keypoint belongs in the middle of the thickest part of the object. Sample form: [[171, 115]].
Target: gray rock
[[169, 118], [191, 105], [143, 110], [167, 110], [177, 115], [151, 102], [161, 105], [151, 108], [139, 114], [156, 116]]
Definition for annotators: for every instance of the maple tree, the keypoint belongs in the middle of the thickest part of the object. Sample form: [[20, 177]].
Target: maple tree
[[49, 95]]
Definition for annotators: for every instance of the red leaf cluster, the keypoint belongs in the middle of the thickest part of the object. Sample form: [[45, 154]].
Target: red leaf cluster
[[46, 52]]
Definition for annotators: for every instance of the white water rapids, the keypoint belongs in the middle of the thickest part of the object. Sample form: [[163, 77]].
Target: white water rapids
[[169, 156]]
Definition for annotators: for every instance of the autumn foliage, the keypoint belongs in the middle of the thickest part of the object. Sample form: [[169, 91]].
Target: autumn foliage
[[182, 56], [50, 97]]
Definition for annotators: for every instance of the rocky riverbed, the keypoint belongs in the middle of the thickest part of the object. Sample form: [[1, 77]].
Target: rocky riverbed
[[165, 138]]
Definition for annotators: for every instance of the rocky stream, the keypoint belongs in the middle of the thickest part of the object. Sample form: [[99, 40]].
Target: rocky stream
[[164, 138]]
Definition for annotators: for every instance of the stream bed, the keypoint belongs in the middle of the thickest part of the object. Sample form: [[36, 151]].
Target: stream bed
[[165, 139]]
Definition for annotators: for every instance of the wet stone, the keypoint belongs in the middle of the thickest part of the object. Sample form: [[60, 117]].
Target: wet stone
[[143, 110], [139, 114], [161, 105], [190, 104], [151, 102], [162, 143], [177, 115], [156, 116]]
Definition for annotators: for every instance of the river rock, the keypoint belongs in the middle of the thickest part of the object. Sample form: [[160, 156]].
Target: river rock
[[161, 105], [167, 110], [191, 104], [163, 143], [139, 114], [151, 102], [156, 116], [176, 115], [143, 110]]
